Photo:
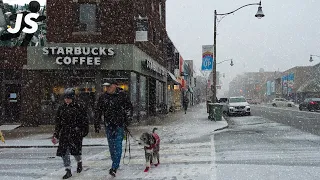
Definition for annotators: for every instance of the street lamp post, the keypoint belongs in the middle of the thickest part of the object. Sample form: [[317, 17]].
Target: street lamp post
[[312, 56], [259, 15], [231, 63]]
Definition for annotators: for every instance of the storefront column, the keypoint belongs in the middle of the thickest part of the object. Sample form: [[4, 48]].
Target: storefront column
[[165, 89], [138, 97], [31, 98], [2, 96]]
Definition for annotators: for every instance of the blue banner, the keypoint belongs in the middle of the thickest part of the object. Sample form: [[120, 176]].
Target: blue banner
[[268, 88], [207, 58]]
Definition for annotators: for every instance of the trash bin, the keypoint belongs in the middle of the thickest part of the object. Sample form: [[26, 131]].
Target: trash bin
[[218, 111], [215, 111], [208, 105], [211, 111]]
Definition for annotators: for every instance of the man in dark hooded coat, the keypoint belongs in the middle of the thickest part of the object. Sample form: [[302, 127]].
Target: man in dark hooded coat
[[71, 127]]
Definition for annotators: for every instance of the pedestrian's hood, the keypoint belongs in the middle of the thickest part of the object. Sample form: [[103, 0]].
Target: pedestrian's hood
[[239, 104]]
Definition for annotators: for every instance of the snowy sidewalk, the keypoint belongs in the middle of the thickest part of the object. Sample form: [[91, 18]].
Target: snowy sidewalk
[[187, 151]]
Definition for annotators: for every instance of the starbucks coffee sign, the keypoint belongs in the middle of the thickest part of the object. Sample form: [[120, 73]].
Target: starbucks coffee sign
[[89, 56]]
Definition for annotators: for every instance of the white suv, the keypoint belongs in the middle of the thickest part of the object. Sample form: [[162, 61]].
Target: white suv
[[282, 102], [237, 105]]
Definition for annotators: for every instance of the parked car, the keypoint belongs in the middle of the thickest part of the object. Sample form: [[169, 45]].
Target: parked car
[[310, 104], [237, 105], [253, 101], [223, 100], [282, 102], [249, 100]]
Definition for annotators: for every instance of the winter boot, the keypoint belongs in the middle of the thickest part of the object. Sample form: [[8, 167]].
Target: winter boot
[[146, 169], [79, 168], [113, 172], [68, 174]]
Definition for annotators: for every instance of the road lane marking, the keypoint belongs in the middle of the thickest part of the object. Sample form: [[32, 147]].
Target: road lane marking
[[213, 156], [289, 110]]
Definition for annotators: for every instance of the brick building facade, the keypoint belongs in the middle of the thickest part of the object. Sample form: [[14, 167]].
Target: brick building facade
[[140, 67]]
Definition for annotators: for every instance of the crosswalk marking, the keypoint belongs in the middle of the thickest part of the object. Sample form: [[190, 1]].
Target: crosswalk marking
[[191, 152], [190, 158]]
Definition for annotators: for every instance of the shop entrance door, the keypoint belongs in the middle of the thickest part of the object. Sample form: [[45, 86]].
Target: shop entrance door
[[12, 103], [152, 97]]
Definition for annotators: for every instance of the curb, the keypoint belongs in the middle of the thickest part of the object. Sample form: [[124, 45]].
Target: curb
[[222, 128], [93, 145]]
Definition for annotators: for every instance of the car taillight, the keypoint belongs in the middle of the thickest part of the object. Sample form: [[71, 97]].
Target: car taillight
[[313, 103]]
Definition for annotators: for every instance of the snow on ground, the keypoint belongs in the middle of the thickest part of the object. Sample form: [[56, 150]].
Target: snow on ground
[[8, 127], [187, 152], [45, 140]]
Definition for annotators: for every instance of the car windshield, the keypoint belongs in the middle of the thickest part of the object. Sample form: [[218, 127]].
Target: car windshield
[[223, 99], [234, 100]]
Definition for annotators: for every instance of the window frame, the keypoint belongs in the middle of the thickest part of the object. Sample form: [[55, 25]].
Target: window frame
[[76, 17]]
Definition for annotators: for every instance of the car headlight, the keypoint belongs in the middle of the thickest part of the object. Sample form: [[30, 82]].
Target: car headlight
[[231, 107]]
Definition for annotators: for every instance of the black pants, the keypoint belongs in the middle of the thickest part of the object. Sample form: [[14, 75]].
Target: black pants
[[185, 108]]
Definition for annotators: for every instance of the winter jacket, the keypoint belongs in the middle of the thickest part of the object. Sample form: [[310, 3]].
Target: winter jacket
[[70, 128], [116, 109]]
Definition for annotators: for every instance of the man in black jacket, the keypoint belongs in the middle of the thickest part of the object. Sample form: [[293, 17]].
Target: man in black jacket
[[116, 107], [185, 103], [71, 127]]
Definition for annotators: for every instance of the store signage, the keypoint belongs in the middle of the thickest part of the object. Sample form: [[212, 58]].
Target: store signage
[[155, 67], [78, 55]]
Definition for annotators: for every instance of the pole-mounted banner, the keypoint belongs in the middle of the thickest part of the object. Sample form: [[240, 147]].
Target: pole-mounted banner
[[207, 58]]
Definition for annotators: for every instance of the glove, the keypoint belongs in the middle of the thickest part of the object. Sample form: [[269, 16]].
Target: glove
[[54, 140]]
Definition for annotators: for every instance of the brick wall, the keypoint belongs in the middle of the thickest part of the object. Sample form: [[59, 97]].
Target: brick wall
[[115, 21], [13, 58]]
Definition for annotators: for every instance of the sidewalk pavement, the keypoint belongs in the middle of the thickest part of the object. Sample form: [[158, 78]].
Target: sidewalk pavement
[[187, 151], [24, 137]]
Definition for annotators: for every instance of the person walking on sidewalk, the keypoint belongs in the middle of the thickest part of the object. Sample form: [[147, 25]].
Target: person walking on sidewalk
[[116, 108], [185, 104], [71, 127]]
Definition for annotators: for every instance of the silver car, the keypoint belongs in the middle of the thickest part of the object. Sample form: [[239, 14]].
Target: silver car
[[282, 102]]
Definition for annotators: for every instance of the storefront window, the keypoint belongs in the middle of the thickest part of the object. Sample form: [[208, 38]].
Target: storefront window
[[160, 93], [143, 95], [133, 92]]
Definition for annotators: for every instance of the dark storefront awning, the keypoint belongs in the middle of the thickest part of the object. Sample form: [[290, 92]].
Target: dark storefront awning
[[173, 78]]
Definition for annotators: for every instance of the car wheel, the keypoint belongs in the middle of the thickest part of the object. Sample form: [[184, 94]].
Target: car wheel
[[274, 105], [300, 108]]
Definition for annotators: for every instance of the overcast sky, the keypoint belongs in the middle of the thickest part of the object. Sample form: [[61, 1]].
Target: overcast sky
[[284, 38]]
